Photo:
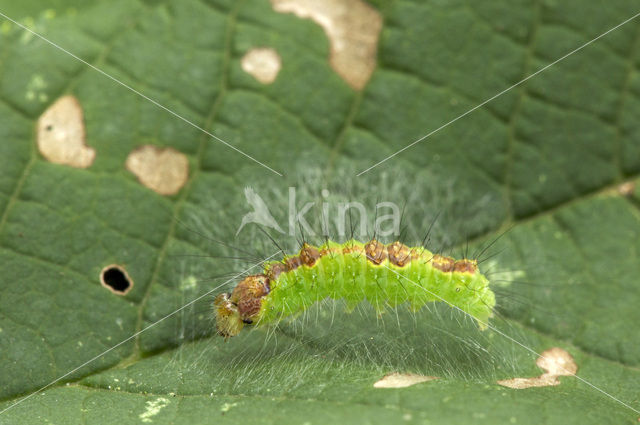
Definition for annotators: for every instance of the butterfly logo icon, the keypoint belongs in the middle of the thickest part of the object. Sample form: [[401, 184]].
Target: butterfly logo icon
[[260, 214]]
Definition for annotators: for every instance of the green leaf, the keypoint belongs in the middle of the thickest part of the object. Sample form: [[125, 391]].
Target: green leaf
[[543, 162]]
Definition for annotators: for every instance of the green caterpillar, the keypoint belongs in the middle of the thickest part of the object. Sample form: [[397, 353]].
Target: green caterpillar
[[354, 271]]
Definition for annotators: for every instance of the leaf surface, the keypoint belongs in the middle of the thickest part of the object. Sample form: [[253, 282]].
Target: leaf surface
[[545, 160]]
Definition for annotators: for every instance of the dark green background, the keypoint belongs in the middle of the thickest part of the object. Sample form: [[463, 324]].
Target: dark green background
[[549, 154]]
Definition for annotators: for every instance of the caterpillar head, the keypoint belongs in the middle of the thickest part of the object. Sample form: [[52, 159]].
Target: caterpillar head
[[228, 321], [241, 306]]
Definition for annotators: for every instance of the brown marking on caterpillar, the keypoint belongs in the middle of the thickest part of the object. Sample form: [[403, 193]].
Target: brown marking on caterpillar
[[309, 255], [399, 254], [465, 266], [353, 248], [249, 308], [329, 251], [416, 254], [444, 264], [275, 270], [326, 251], [247, 296], [376, 252], [292, 263]]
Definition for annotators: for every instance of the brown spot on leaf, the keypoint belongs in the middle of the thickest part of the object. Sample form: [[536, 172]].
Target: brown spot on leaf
[[262, 63], [61, 134], [116, 279], [555, 361], [401, 380], [353, 28], [163, 170]]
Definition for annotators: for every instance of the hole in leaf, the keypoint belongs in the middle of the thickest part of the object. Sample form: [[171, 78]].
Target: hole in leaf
[[116, 279]]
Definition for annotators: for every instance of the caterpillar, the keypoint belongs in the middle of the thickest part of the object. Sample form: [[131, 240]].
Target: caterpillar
[[384, 275]]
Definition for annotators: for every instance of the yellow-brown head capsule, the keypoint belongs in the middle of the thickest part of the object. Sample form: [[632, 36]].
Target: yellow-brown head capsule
[[228, 321]]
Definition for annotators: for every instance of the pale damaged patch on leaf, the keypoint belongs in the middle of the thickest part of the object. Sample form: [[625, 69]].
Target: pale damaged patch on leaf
[[627, 188], [153, 408], [227, 406], [401, 380], [262, 63], [556, 362], [163, 170], [353, 28], [36, 89], [61, 134]]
